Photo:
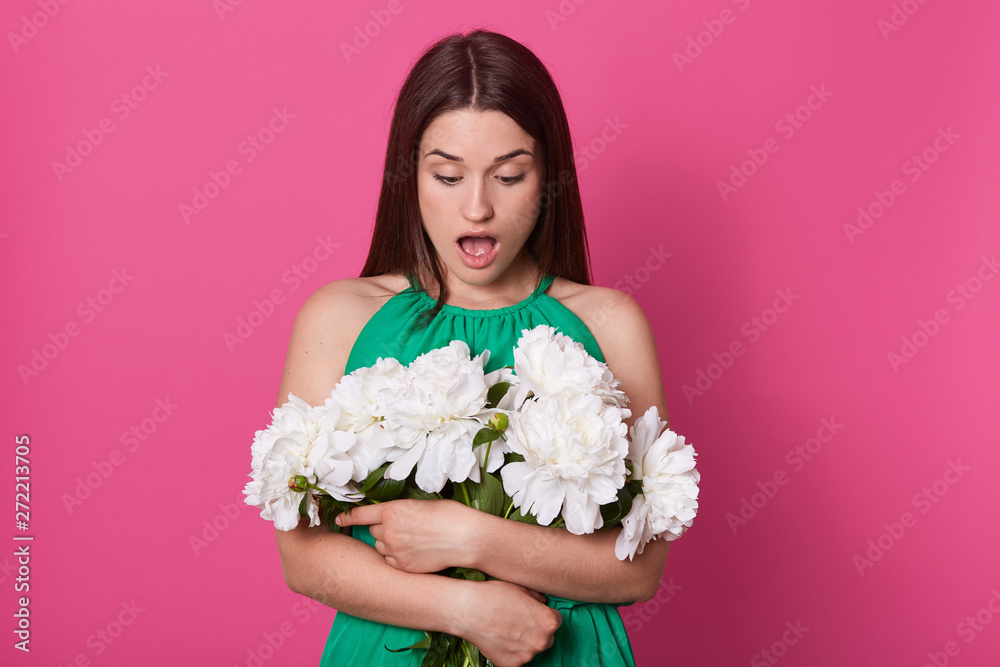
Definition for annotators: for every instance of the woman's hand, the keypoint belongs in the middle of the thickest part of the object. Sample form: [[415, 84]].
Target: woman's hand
[[509, 623], [418, 535]]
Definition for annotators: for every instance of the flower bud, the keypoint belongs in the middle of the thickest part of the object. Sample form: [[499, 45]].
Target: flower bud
[[298, 483], [499, 422]]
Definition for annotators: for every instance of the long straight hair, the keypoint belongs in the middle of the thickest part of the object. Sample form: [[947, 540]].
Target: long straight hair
[[482, 71]]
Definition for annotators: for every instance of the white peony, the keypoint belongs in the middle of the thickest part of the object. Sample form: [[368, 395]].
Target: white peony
[[669, 499], [547, 362], [574, 449], [294, 416], [360, 404], [437, 423], [295, 445]]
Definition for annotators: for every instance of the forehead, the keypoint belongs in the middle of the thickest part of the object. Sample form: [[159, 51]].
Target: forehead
[[475, 135]]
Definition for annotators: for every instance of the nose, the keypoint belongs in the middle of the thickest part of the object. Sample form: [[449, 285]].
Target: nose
[[477, 207]]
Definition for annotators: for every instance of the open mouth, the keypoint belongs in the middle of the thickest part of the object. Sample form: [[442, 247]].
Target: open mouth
[[477, 251], [477, 246]]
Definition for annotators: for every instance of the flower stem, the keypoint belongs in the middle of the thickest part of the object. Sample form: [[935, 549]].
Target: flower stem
[[465, 492]]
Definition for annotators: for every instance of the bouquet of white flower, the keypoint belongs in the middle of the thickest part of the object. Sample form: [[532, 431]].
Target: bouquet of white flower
[[552, 429]]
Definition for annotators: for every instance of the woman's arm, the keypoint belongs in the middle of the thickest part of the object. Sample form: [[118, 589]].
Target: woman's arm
[[507, 622], [424, 536], [429, 535]]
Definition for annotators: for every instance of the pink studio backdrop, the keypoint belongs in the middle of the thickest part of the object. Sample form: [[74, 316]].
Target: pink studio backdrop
[[802, 197]]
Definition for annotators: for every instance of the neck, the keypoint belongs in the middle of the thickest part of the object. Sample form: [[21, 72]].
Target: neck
[[511, 287]]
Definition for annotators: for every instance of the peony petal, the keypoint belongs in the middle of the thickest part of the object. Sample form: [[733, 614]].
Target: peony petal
[[403, 466]]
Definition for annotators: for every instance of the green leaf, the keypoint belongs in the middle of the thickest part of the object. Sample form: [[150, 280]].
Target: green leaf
[[468, 574], [342, 505], [328, 513], [496, 393], [416, 493], [484, 435], [514, 457], [614, 512], [386, 489], [303, 509], [487, 496], [423, 643], [374, 478], [441, 649], [523, 518], [471, 653]]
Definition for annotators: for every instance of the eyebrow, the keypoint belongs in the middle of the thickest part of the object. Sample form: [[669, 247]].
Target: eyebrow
[[501, 158]]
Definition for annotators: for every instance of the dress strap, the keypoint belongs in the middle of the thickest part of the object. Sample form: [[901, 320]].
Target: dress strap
[[544, 285]]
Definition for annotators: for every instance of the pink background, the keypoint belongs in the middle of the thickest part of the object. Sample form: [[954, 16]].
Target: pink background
[[128, 550]]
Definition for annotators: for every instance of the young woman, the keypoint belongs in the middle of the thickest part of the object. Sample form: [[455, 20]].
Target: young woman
[[479, 234]]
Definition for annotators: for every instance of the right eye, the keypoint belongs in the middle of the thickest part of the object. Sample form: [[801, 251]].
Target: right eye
[[447, 180]]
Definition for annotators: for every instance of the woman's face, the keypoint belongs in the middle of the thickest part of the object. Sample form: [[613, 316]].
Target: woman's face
[[479, 181]]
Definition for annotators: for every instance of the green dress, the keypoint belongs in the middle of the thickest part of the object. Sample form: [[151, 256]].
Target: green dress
[[591, 634]]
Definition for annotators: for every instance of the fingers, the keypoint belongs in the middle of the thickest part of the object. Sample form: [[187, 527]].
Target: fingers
[[539, 597], [364, 515]]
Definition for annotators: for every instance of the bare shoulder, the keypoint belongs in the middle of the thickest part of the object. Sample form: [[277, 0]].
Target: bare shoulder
[[624, 335], [325, 330], [613, 317]]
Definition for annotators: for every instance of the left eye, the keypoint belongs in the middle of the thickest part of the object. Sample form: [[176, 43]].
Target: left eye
[[453, 180]]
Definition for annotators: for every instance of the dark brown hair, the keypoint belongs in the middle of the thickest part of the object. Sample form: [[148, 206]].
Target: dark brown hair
[[483, 71]]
